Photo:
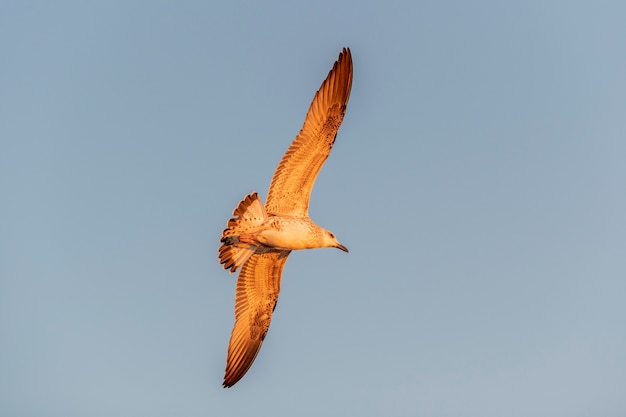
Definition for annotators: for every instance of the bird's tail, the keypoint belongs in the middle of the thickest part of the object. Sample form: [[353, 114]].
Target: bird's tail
[[249, 215]]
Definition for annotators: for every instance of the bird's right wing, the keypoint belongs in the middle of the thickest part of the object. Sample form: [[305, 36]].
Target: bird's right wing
[[290, 189], [258, 286]]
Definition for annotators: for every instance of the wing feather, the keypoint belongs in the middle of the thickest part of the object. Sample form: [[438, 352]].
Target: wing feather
[[290, 189], [258, 286]]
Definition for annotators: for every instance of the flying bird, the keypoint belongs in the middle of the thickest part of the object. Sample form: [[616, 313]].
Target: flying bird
[[259, 238]]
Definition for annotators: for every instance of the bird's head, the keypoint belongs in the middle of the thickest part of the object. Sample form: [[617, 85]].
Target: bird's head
[[330, 241]]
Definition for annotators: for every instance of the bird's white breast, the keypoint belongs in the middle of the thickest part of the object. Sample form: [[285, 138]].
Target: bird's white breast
[[290, 233]]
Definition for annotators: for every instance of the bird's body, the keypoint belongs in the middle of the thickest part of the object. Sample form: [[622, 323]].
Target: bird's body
[[291, 233], [259, 237]]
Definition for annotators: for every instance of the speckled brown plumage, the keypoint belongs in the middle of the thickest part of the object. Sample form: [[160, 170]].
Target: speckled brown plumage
[[259, 238]]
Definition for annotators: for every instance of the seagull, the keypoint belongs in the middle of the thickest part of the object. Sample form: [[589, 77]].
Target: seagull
[[259, 238]]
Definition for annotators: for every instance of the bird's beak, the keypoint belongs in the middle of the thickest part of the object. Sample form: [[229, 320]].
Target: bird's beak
[[343, 248]]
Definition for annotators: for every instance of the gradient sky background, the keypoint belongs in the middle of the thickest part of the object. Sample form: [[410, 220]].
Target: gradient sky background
[[478, 180]]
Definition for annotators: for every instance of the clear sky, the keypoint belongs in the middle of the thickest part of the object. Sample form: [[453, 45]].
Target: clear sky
[[478, 180]]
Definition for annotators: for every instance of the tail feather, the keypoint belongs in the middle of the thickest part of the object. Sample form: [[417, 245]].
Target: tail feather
[[249, 215]]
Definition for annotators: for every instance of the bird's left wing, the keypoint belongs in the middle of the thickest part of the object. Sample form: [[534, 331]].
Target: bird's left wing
[[258, 286]]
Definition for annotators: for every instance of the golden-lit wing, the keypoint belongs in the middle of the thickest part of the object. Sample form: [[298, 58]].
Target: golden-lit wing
[[258, 286], [293, 180]]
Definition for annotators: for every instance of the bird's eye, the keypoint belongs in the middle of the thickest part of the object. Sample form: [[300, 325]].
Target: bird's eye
[[331, 235]]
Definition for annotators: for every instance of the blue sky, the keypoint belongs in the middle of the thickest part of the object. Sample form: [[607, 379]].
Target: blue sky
[[478, 180]]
